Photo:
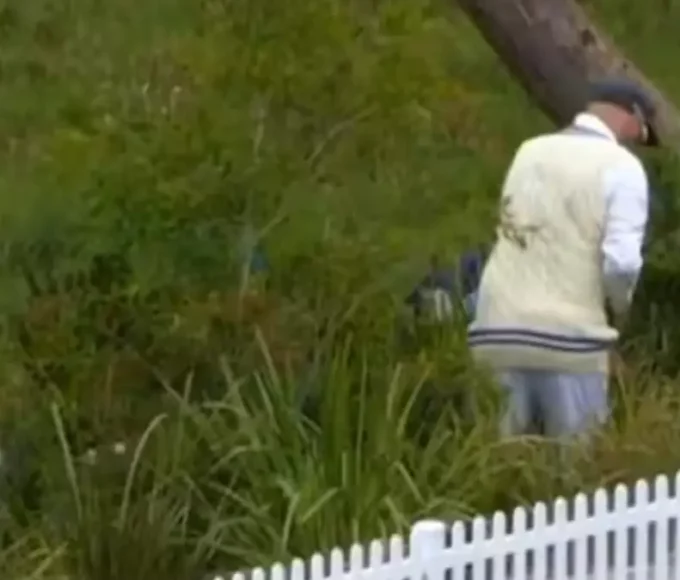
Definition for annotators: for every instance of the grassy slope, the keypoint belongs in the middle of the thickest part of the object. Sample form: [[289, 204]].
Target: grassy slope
[[66, 66]]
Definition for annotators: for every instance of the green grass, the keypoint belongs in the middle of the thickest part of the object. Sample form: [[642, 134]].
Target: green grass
[[271, 418], [248, 478]]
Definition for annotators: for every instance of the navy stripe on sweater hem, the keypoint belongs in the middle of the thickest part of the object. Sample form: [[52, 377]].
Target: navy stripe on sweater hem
[[537, 334], [528, 342]]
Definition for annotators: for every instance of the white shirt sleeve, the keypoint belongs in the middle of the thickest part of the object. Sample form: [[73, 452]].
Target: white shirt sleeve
[[627, 209]]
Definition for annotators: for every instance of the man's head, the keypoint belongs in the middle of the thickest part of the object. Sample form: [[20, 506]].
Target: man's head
[[626, 109]]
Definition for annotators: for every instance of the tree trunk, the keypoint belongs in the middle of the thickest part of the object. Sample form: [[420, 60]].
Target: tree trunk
[[553, 49]]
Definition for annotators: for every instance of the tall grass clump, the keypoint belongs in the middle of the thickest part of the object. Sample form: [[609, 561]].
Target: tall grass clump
[[254, 474]]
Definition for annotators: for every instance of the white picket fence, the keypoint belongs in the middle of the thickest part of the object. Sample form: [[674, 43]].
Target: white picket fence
[[627, 534]]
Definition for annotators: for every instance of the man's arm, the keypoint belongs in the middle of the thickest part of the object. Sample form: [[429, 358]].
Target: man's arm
[[627, 200]]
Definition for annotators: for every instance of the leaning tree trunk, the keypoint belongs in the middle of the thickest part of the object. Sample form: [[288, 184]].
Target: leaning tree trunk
[[553, 49]]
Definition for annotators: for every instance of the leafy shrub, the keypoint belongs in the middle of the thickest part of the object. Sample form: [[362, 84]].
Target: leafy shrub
[[316, 126]]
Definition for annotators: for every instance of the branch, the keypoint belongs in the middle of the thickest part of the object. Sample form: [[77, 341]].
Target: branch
[[554, 50]]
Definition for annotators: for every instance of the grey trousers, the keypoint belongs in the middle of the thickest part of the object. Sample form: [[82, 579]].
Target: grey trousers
[[565, 404]]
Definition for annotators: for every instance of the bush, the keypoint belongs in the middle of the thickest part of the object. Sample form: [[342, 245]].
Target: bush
[[314, 127]]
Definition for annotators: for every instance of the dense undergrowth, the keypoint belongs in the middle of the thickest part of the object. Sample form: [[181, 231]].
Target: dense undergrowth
[[147, 149]]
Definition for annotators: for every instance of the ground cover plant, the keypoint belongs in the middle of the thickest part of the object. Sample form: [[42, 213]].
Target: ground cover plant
[[148, 150]]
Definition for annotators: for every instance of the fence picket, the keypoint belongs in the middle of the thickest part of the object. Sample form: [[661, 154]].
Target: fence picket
[[519, 528], [560, 549], [278, 572], [297, 570], [661, 555], [602, 543], [478, 536], [457, 565], [336, 560], [356, 560], [376, 558], [396, 549], [316, 567], [622, 560], [499, 530], [579, 551], [428, 539], [540, 569], [376, 553], [673, 529], [641, 536]]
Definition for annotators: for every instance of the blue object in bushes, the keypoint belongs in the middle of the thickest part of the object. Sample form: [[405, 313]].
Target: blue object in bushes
[[438, 292], [258, 261], [444, 287]]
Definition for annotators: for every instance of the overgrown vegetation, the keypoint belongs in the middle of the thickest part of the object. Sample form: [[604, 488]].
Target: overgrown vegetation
[[147, 149]]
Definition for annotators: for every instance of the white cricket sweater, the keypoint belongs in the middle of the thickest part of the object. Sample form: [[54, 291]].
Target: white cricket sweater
[[542, 294]]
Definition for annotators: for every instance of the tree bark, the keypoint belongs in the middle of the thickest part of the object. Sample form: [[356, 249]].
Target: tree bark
[[554, 50]]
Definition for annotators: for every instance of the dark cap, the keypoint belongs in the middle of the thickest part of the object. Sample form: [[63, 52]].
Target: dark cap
[[629, 96]]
